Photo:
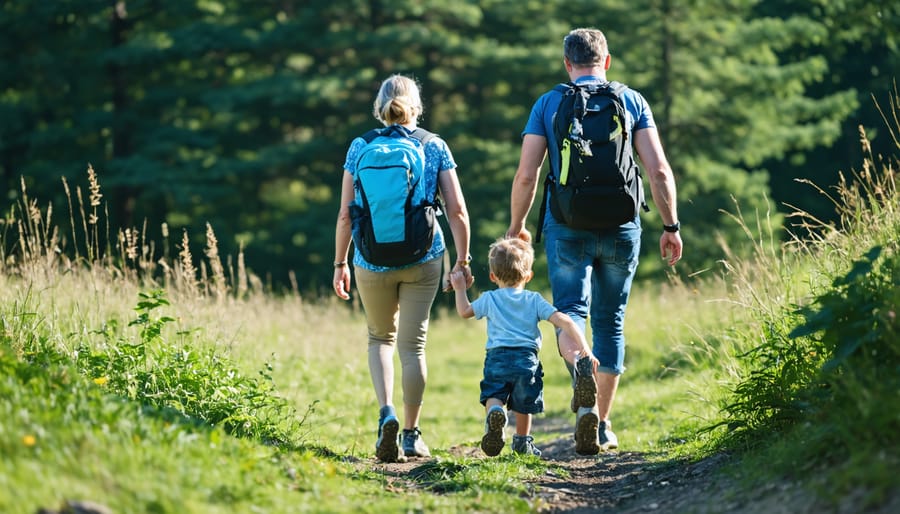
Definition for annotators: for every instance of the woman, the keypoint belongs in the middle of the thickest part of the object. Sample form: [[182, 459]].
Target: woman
[[397, 300]]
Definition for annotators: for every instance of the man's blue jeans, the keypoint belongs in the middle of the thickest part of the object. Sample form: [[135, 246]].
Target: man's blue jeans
[[590, 276]]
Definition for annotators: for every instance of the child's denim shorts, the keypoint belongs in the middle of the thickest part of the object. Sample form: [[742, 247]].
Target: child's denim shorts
[[515, 377]]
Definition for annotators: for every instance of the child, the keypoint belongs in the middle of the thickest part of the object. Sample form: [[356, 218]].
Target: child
[[512, 370]]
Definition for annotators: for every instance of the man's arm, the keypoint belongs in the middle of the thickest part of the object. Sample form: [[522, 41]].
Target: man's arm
[[662, 188], [524, 187]]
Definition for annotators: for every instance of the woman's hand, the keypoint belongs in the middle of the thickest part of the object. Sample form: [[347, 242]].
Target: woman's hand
[[341, 282]]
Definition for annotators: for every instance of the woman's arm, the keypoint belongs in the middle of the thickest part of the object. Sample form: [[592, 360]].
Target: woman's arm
[[458, 219], [342, 237]]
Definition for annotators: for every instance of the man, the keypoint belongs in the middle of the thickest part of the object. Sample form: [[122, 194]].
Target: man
[[591, 272]]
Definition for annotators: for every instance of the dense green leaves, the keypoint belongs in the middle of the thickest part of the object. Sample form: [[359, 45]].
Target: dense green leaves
[[239, 114]]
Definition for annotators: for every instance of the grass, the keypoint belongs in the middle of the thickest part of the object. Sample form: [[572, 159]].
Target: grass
[[134, 396], [152, 381]]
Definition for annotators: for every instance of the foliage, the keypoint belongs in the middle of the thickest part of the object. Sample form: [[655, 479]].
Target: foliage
[[857, 318], [187, 379], [825, 373], [238, 115]]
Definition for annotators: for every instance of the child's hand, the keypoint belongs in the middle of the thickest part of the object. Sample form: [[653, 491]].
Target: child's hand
[[594, 361], [457, 280]]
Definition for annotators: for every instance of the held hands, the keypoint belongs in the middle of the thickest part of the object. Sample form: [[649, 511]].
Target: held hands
[[460, 278], [457, 280]]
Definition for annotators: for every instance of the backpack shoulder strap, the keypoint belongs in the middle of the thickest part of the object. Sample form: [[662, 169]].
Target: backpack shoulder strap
[[617, 87], [422, 135], [564, 87], [370, 136]]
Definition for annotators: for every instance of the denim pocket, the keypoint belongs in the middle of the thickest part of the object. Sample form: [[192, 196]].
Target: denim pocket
[[569, 252], [627, 251]]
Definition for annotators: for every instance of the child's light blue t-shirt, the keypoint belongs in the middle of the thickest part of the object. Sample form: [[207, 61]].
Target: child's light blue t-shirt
[[512, 317]]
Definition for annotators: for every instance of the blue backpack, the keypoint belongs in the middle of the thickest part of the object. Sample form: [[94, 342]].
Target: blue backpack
[[393, 216]]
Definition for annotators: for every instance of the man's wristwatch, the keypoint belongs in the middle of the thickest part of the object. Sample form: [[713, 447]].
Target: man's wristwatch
[[675, 227]]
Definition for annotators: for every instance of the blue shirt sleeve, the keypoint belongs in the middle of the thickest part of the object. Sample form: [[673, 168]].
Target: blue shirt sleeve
[[542, 307], [541, 117], [636, 106], [353, 154]]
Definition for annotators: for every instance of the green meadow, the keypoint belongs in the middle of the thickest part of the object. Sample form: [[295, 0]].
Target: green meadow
[[153, 382]]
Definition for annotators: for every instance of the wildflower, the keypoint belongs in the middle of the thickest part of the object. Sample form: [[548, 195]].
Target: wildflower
[[29, 440], [101, 381]]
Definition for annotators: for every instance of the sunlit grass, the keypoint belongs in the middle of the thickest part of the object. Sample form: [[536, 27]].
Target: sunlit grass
[[222, 396]]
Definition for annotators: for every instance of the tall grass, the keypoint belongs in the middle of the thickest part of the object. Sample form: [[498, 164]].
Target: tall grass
[[819, 370], [160, 382], [171, 381]]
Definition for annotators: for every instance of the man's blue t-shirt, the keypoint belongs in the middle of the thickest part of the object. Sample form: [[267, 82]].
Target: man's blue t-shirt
[[512, 317], [437, 159], [540, 122]]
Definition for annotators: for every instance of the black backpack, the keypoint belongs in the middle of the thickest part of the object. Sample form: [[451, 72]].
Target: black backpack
[[393, 216], [599, 183]]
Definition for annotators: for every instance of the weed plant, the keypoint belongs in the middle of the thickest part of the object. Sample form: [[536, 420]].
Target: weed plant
[[816, 387]]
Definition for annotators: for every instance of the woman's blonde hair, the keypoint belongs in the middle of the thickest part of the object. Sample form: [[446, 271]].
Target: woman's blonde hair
[[398, 101], [511, 259]]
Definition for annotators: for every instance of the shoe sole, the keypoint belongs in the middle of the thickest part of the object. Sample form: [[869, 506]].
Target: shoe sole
[[586, 440], [585, 394], [492, 443], [387, 449]]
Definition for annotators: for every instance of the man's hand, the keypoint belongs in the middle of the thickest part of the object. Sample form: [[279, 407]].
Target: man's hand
[[521, 233], [670, 247]]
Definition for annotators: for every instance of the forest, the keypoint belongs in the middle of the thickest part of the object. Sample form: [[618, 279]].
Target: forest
[[237, 115]]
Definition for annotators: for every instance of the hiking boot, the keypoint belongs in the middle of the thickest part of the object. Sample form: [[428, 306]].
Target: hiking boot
[[413, 445], [587, 422], [524, 445], [584, 385], [387, 448], [494, 438], [606, 437]]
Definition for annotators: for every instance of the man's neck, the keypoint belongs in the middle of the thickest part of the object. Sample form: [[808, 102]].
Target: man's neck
[[593, 71]]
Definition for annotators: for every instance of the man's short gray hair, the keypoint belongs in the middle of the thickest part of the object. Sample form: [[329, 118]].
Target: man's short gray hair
[[585, 47]]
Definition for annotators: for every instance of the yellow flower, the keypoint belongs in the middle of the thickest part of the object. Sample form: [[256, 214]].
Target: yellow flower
[[29, 440], [101, 380]]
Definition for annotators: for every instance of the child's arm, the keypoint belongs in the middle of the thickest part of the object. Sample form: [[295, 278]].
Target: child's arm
[[463, 307], [572, 344]]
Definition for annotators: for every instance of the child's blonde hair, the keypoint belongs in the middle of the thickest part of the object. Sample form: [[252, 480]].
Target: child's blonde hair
[[398, 101], [511, 259]]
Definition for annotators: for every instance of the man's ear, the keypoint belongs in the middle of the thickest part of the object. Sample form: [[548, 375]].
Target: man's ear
[[568, 64], [607, 62]]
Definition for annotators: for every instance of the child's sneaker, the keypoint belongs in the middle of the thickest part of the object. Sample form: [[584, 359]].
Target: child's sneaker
[[413, 445], [524, 445], [584, 386], [587, 423], [494, 438], [387, 448], [608, 440]]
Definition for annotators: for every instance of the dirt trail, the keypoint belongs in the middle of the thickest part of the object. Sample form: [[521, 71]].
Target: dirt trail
[[624, 482]]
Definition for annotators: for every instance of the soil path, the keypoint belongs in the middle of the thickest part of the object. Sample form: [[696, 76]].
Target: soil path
[[624, 482]]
